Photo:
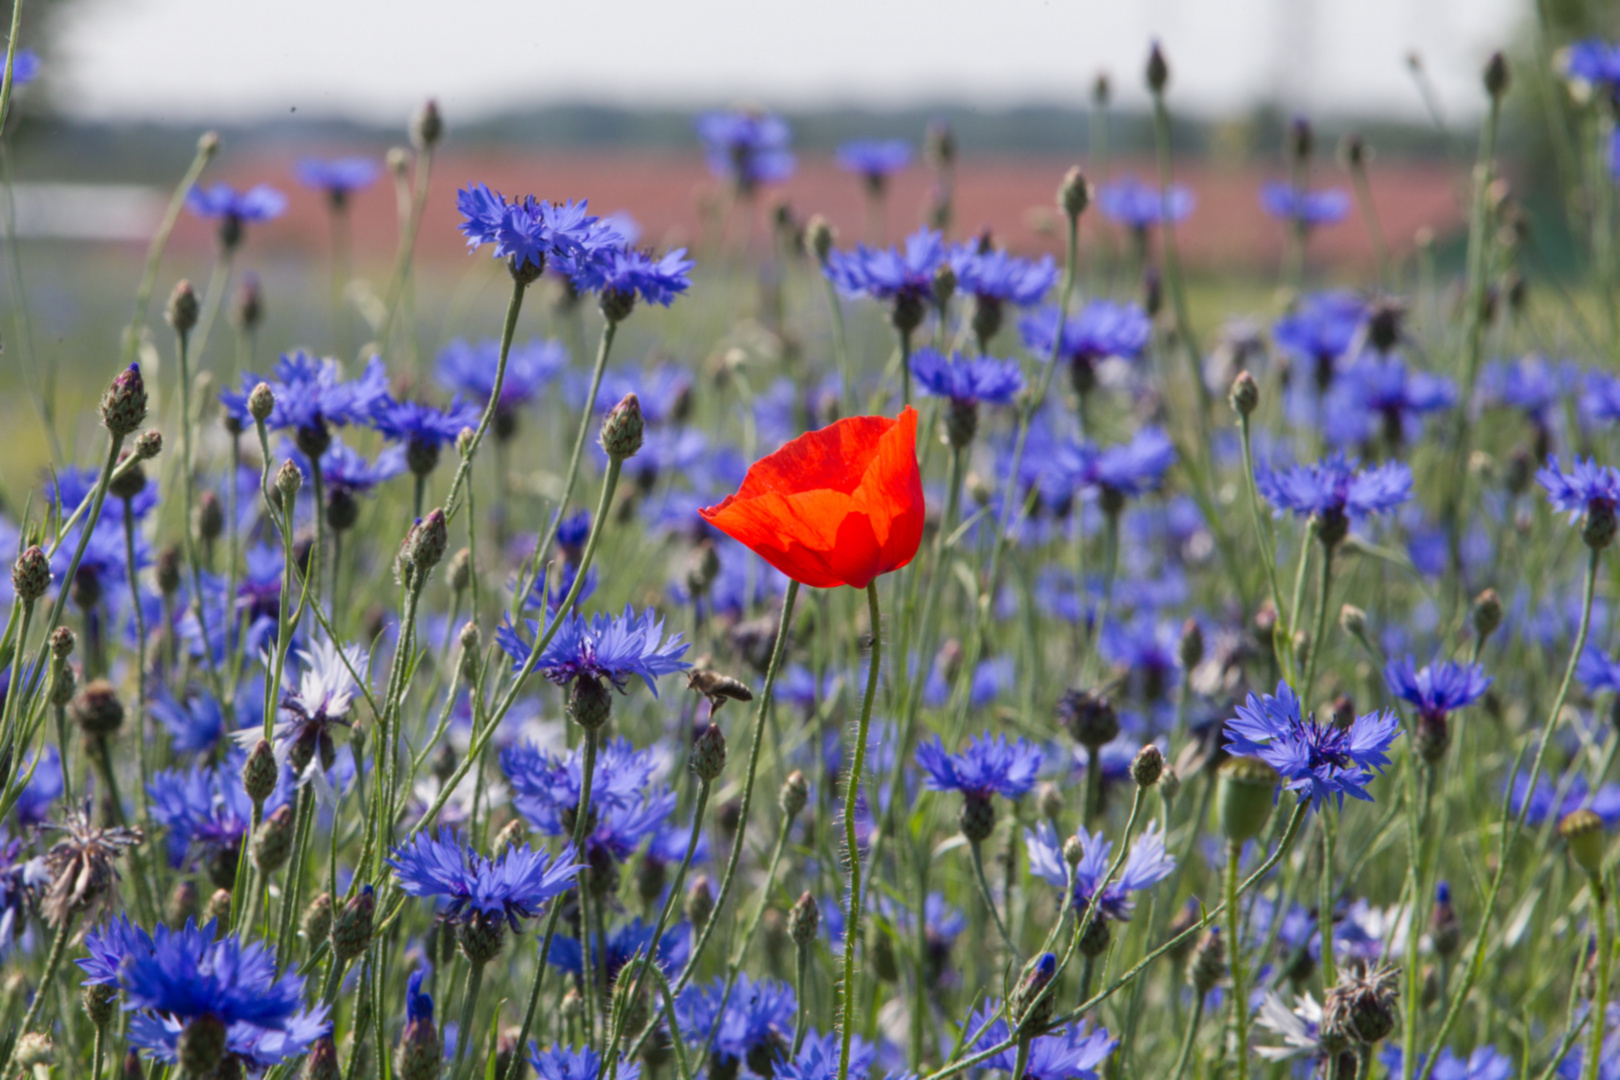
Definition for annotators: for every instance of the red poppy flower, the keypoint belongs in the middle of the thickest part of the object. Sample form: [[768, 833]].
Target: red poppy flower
[[837, 506]]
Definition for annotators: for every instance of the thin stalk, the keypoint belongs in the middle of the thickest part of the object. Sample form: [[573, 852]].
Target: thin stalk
[[1319, 638], [508, 329], [52, 962], [207, 146], [989, 897], [1234, 950], [1187, 1040], [1324, 916], [469, 1005], [852, 784], [603, 348], [1600, 993]]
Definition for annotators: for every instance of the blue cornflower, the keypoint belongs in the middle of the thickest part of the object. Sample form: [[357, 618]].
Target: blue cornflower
[[748, 148], [758, 1018], [626, 806], [45, 786], [512, 886], [196, 724], [1141, 206], [623, 274], [994, 278], [235, 208], [528, 231], [1146, 866], [70, 487], [1485, 1063], [311, 396], [423, 430], [1380, 390], [1072, 1053], [1552, 801], [1335, 488], [185, 976], [967, 380], [1590, 487], [1317, 761], [1598, 671], [624, 945], [989, 766], [346, 472], [554, 595], [903, 277], [1320, 330], [470, 369], [602, 647], [1100, 330], [1113, 474], [1437, 689], [664, 391], [572, 532], [991, 678], [1573, 1065], [1304, 208], [206, 812], [19, 878], [561, 1063], [1595, 61], [338, 177], [664, 451], [818, 1057], [874, 160], [1532, 384], [1148, 649], [25, 69]]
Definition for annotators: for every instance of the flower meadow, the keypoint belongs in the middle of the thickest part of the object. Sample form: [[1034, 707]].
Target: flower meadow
[[1003, 675]]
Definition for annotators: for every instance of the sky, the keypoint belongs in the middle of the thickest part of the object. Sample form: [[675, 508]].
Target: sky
[[375, 60]]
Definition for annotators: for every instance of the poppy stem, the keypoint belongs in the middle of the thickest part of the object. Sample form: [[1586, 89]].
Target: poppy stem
[[852, 785]]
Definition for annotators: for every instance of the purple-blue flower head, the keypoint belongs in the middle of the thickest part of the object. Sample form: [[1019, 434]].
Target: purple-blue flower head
[[1532, 384], [1320, 330], [624, 945], [338, 177], [1113, 474], [629, 272], [206, 811], [529, 231], [1589, 487], [470, 369], [745, 147], [1318, 762], [874, 160], [1483, 1063], [515, 885], [1553, 800], [1335, 486], [259, 203], [1381, 393], [345, 471], [1598, 671], [187, 974], [603, 646], [195, 723], [554, 782], [967, 380], [989, 766], [1101, 329], [894, 274], [1304, 208], [1146, 866], [1595, 61], [561, 1063], [994, 277], [1141, 206], [419, 425], [1436, 689], [25, 69], [758, 1016], [311, 394], [1071, 1053]]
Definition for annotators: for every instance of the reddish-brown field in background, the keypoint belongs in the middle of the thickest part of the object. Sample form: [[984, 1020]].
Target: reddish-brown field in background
[[1011, 196]]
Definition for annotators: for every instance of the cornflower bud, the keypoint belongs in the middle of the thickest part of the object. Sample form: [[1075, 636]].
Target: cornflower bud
[[260, 772], [1497, 76], [471, 643], [1032, 1018], [1247, 787], [1192, 644], [461, 568], [289, 478], [148, 445], [427, 126], [1445, 929], [1048, 799], [944, 284], [1090, 718], [31, 574], [1148, 766], [699, 905], [273, 840], [794, 795], [1487, 613], [1582, 830], [100, 1003], [351, 929], [183, 307], [1158, 70], [322, 1062], [218, 910], [62, 642], [708, 757], [804, 920], [1074, 194], [1352, 620], [182, 903], [424, 546], [1073, 851], [123, 405], [97, 709], [819, 236], [208, 517], [261, 402], [317, 920], [248, 310], [621, 431], [1245, 394], [1208, 965]]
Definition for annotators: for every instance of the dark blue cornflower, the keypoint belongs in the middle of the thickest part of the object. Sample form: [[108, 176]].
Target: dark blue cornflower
[[1573, 1065], [1595, 61], [628, 809], [602, 647], [103, 569], [423, 430], [311, 396], [1071, 1053], [989, 766], [207, 814], [338, 177], [624, 945], [967, 380], [1334, 486], [1100, 330], [20, 877], [529, 231], [1146, 648], [1318, 762], [817, 1059], [903, 277], [186, 975], [70, 487], [1598, 671], [1532, 384], [561, 1063], [44, 786], [470, 369], [1145, 866], [1304, 208], [664, 451], [1553, 800], [1320, 330], [664, 390], [562, 582], [874, 160], [25, 69], [1112, 474], [572, 532], [514, 885], [345, 471], [745, 147], [758, 1018], [1484, 1063], [628, 272], [1380, 393], [1436, 689], [195, 723], [1141, 206], [1589, 487], [994, 277], [991, 678], [107, 946], [259, 203]]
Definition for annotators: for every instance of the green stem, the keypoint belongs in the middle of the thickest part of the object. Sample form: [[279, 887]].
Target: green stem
[[508, 329], [852, 784], [988, 896], [1234, 952], [469, 1006], [1600, 994], [1319, 638], [1187, 1040], [1324, 916], [52, 962], [603, 348]]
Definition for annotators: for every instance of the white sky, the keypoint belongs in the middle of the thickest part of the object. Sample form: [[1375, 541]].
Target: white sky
[[215, 60]]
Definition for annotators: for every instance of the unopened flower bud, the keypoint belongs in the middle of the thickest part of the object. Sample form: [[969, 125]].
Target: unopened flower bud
[[461, 568], [317, 920], [1049, 800], [1148, 766], [1074, 194], [1073, 851], [818, 235], [248, 310], [273, 840], [62, 641], [351, 930], [123, 405], [148, 445], [427, 126], [208, 517], [1158, 70], [1245, 395], [1445, 929], [804, 920], [100, 1003], [183, 308], [708, 757], [182, 903], [218, 910], [31, 574], [261, 402], [1089, 717], [699, 906], [1208, 965], [322, 1062], [1582, 830], [1352, 620], [1032, 1017], [1497, 76], [97, 709], [260, 772], [289, 478], [424, 546], [1247, 787], [1487, 613], [1192, 644], [794, 794], [622, 429]]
